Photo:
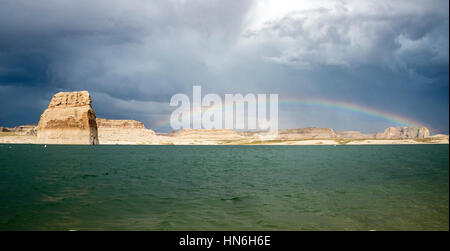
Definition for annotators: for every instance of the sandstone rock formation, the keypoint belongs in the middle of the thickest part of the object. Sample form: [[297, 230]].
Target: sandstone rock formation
[[445, 136], [307, 133], [353, 135], [21, 130], [206, 134], [403, 132], [440, 138], [124, 132], [201, 137], [69, 119]]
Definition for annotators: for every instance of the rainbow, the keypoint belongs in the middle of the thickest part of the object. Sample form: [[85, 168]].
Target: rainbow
[[331, 104], [353, 107]]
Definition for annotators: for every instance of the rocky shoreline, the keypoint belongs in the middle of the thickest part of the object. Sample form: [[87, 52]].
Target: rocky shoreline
[[70, 119]]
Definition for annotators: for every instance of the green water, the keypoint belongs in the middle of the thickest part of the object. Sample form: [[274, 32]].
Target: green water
[[399, 187]]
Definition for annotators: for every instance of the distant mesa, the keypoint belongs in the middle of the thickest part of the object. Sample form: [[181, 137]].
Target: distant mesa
[[218, 134], [353, 135], [321, 133], [403, 132], [69, 119], [21, 130], [400, 132], [121, 124], [439, 136], [124, 132], [309, 132]]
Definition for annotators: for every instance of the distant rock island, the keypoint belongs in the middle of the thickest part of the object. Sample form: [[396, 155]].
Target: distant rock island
[[70, 119], [124, 132]]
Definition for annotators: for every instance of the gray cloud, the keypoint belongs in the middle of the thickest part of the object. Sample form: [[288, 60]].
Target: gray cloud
[[406, 40]]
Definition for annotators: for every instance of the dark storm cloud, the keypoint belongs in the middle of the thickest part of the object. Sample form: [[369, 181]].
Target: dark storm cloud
[[134, 55], [128, 49]]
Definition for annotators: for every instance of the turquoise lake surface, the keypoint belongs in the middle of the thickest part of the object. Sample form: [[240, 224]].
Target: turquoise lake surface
[[369, 187]]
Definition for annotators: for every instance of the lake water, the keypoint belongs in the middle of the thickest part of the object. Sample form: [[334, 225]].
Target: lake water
[[391, 187]]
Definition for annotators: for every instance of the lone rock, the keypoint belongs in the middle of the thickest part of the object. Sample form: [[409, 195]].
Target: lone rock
[[69, 119]]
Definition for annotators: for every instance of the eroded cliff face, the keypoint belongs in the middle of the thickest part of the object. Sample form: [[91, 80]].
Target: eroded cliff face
[[200, 137], [29, 130], [124, 132], [353, 135], [328, 133], [219, 134], [307, 133], [119, 123], [69, 119], [403, 132]]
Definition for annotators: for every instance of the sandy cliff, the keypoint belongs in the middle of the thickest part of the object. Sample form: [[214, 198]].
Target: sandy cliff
[[124, 132], [69, 119], [206, 134], [307, 133], [353, 135], [403, 132], [201, 137], [21, 130]]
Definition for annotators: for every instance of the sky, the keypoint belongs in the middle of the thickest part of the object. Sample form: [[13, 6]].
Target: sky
[[391, 57]]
